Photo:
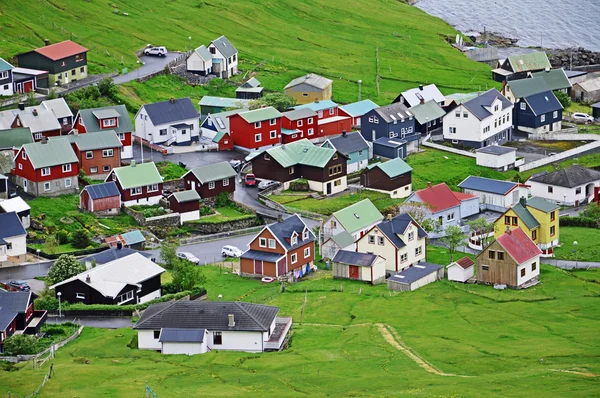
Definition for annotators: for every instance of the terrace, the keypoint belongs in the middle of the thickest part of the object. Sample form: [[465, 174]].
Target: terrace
[[279, 336]]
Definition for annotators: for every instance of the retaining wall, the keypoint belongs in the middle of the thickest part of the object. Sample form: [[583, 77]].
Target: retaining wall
[[166, 220], [566, 154], [448, 149]]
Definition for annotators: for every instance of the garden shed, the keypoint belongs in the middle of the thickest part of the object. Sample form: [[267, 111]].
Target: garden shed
[[415, 277]]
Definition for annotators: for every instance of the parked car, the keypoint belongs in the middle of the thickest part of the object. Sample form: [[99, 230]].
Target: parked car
[[20, 285], [236, 164], [231, 251], [582, 117], [158, 51], [250, 180], [264, 184], [189, 257]]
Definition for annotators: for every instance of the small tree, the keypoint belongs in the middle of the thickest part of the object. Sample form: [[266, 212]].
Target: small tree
[[279, 101], [65, 267], [421, 213], [107, 87], [563, 98], [31, 101], [482, 227], [20, 344], [168, 255], [80, 239], [51, 95], [186, 276], [454, 237], [51, 244]]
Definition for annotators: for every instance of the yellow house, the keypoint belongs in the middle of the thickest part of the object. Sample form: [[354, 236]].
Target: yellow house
[[537, 217], [309, 88]]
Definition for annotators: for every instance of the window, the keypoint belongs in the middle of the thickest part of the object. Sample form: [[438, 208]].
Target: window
[[272, 244], [125, 297], [393, 134], [523, 271], [337, 183], [225, 182], [294, 240], [162, 132], [257, 138], [153, 188], [419, 251], [262, 242], [452, 130], [67, 182], [66, 168], [93, 170], [110, 122], [305, 94], [542, 118], [577, 191], [311, 131], [403, 257], [78, 57], [496, 108], [552, 230], [553, 216], [73, 72], [272, 122], [333, 170], [515, 221], [506, 220], [299, 123], [45, 171], [82, 69], [106, 168], [217, 338], [523, 106], [305, 235], [309, 120], [450, 217], [89, 155], [496, 123], [107, 153], [291, 170], [485, 268], [492, 255], [257, 125], [135, 191], [4, 75], [320, 114], [80, 296], [156, 334], [331, 111], [307, 252], [457, 113], [360, 152], [380, 241], [533, 267], [371, 239], [121, 136], [465, 115], [23, 155], [501, 256], [555, 114], [294, 258], [20, 166], [273, 134], [211, 185], [63, 63]]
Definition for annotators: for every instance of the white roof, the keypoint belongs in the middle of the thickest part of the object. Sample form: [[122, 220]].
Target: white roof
[[15, 204], [428, 93], [6, 119], [43, 121], [58, 106], [27, 71], [110, 278]]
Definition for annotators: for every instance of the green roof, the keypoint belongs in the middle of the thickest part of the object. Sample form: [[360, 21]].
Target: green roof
[[186, 196], [219, 135], [427, 112], [531, 61], [525, 87], [556, 79], [91, 122], [358, 215], [15, 138], [542, 204], [52, 153], [137, 175], [258, 115], [301, 152], [393, 168], [525, 216], [4, 66], [87, 142], [343, 239], [213, 172]]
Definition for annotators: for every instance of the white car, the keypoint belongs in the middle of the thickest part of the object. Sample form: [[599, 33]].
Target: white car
[[189, 257], [264, 184], [158, 51], [231, 251], [582, 117]]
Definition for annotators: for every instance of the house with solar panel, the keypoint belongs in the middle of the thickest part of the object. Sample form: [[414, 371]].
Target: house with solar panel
[[138, 184], [211, 180], [101, 199], [215, 127], [172, 122]]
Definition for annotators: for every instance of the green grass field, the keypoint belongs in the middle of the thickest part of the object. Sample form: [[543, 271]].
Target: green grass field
[[330, 205], [462, 341], [170, 170], [588, 244], [225, 214]]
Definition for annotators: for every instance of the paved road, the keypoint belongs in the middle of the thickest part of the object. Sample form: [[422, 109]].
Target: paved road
[[150, 65], [105, 322], [25, 272]]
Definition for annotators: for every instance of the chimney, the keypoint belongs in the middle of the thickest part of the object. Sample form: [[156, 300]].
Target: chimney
[[317, 101], [422, 100], [428, 184], [503, 87], [172, 100], [46, 42], [119, 245], [44, 140], [523, 201], [389, 217], [344, 134], [231, 321], [420, 87], [133, 163], [279, 218], [21, 106], [547, 69], [508, 230], [34, 111], [88, 279]]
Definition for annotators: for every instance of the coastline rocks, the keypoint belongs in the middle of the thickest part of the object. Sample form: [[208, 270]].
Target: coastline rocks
[[581, 57]]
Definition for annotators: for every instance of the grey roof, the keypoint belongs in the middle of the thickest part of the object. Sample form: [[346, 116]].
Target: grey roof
[[182, 109], [180, 126], [210, 315], [390, 142], [397, 225], [575, 73], [542, 103], [58, 106], [299, 113], [525, 216], [15, 301], [113, 254], [487, 185], [15, 138], [414, 273], [311, 79], [542, 204], [478, 105], [203, 52], [213, 172], [349, 143], [427, 112], [186, 196], [51, 153], [261, 256], [596, 105], [391, 112], [104, 139], [16, 204], [343, 239], [105, 113], [284, 230], [91, 122], [43, 121], [224, 46], [176, 335], [251, 83], [427, 93], [570, 177], [355, 258], [556, 79], [525, 87], [6, 317], [496, 149], [101, 191]]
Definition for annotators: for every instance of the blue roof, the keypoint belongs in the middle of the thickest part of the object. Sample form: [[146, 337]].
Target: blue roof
[[390, 142], [11, 225], [487, 185], [397, 226], [414, 273], [479, 104], [349, 143], [101, 191], [133, 237], [318, 106], [544, 102], [180, 335], [216, 60], [6, 317], [359, 108], [355, 258]]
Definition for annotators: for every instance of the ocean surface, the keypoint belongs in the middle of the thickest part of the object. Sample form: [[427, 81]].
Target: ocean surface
[[549, 23]]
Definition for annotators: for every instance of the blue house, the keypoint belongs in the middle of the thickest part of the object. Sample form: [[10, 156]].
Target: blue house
[[390, 148], [538, 113], [354, 146], [390, 121]]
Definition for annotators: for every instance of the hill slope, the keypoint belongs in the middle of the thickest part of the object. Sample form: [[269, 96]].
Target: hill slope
[[337, 38]]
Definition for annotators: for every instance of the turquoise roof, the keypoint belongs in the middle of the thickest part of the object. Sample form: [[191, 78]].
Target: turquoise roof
[[359, 108], [318, 106], [392, 168], [4, 66]]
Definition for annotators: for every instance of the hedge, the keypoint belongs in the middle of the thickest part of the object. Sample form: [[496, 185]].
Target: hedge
[[587, 222]]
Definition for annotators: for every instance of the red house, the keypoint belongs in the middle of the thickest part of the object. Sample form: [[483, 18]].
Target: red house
[[298, 124], [255, 129], [139, 184], [47, 168], [101, 199], [211, 180], [108, 118], [329, 120]]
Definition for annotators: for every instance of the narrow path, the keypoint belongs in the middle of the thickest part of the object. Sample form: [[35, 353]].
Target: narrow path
[[574, 372]]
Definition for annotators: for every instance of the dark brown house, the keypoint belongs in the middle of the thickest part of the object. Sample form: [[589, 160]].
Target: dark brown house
[[393, 177], [18, 315], [186, 203], [211, 180]]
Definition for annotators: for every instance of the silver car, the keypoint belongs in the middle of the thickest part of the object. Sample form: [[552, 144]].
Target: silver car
[[582, 117], [189, 257], [264, 184], [158, 51]]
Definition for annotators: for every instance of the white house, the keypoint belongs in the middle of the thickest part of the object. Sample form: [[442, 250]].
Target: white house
[[200, 61], [20, 207], [175, 121], [494, 194], [496, 157], [13, 245], [482, 121], [399, 240], [359, 266], [461, 270], [195, 327], [571, 186], [412, 278], [224, 57]]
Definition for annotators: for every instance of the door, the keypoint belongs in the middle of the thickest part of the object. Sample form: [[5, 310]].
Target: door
[[66, 77], [353, 271], [24, 185], [328, 188], [27, 87], [399, 155], [258, 267], [193, 185]]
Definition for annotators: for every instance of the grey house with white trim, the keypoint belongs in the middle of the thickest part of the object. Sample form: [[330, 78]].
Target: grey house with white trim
[[394, 121]]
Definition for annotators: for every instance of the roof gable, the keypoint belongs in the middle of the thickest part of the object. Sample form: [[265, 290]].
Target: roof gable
[[301, 152], [542, 103], [11, 225], [58, 106], [518, 245], [358, 216], [525, 216], [4, 66], [394, 112], [392, 168], [426, 93], [224, 46], [203, 53], [396, 227], [571, 177], [61, 50], [89, 118], [427, 112], [311, 79], [542, 204], [528, 62], [15, 301], [49, 153], [479, 105], [349, 143], [213, 172], [285, 229]]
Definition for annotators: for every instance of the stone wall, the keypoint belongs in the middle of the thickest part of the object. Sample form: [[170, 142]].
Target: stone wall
[[209, 229], [166, 220], [174, 185], [580, 57]]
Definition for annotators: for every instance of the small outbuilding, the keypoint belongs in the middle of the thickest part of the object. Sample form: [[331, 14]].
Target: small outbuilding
[[461, 270], [17, 205], [183, 341], [596, 110], [187, 204], [393, 177], [417, 276], [3, 186], [587, 90], [251, 89], [101, 199], [364, 267], [496, 157]]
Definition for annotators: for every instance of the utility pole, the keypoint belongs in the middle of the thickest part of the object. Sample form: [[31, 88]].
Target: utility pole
[[359, 93]]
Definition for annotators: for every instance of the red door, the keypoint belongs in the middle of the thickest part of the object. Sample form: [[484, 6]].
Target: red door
[[27, 87], [281, 267], [258, 267], [353, 272]]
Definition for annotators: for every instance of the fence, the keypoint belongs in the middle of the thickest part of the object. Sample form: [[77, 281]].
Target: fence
[[448, 149], [561, 156], [50, 350]]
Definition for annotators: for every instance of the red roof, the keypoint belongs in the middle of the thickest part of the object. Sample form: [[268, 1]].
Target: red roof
[[518, 245], [61, 50], [440, 197], [465, 262]]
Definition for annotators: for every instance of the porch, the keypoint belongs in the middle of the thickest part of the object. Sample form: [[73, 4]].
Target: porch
[[278, 338]]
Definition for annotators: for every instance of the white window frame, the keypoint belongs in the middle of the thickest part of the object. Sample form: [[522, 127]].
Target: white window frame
[[419, 251], [23, 155], [121, 136], [299, 123], [257, 125], [68, 182], [311, 131], [307, 252], [20, 166], [403, 257], [89, 155], [555, 114], [272, 122], [294, 258], [523, 105], [45, 171], [262, 242], [542, 118], [46, 186], [125, 297], [66, 168], [80, 296], [273, 134], [452, 130], [108, 153], [305, 235], [371, 239], [106, 168], [112, 122], [272, 244], [211, 185], [93, 169], [411, 236], [257, 137], [450, 217], [294, 240], [152, 188], [135, 191], [309, 120], [225, 182], [331, 111]]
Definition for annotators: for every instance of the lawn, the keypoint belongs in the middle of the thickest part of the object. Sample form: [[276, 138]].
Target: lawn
[[170, 171], [224, 214], [588, 244], [538, 342]]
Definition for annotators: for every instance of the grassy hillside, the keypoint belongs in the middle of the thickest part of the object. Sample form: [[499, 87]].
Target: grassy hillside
[[283, 39]]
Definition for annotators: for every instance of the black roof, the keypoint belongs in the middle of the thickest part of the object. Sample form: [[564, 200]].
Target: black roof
[[284, 230], [570, 177], [174, 335], [477, 105], [496, 149], [113, 254], [15, 301], [397, 225], [210, 315], [355, 258], [544, 102], [169, 112], [395, 111], [11, 225], [104, 190], [6, 317], [414, 273], [349, 143], [261, 256]]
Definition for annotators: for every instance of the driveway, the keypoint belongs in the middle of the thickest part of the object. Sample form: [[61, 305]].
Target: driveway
[[104, 322], [150, 65], [25, 272]]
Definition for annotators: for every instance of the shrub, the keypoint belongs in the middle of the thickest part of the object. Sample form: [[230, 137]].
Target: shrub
[[65, 267], [587, 222], [592, 211], [62, 237], [299, 185], [81, 239], [563, 98], [133, 344], [169, 288], [20, 344], [46, 303], [222, 200], [205, 211]]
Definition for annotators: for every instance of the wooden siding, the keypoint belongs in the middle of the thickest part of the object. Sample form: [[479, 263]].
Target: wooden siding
[[272, 170], [203, 189], [183, 207], [24, 168], [500, 271], [243, 133], [266, 233], [99, 204], [34, 60], [375, 178], [98, 160], [126, 193]]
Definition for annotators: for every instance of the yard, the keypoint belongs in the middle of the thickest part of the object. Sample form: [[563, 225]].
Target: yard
[[170, 170], [445, 339], [224, 214], [588, 244]]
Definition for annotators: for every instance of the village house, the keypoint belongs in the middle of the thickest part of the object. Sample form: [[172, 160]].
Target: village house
[[354, 146], [138, 183], [309, 88], [281, 248], [17, 315], [101, 199], [428, 117], [538, 113], [128, 240], [62, 113], [250, 89], [556, 80], [187, 204], [482, 121], [256, 128], [359, 266], [210, 105], [586, 91], [13, 139], [329, 122], [513, 259], [6, 78], [200, 61], [323, 168], [399, 240], [129, 280], [356, 110], [65, 62], [461, 270], [497, 157], [538, 218], [297, 124], [109, 255], [175, 121], [517, 66], [216, 128], [107, 118], [412, 278], [391, 122], [3, 186], [40, 121], [13, 245], [420, 95], [26, 80], [211, 180], [390, 148], [224, 58], [19, 206], [514, 90], [196, 327], [572, 186], [393, 177], [47, 168], [595, 111], [493, 194]]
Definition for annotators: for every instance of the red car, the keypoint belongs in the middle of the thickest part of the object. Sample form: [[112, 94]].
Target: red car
[[250, 180]]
